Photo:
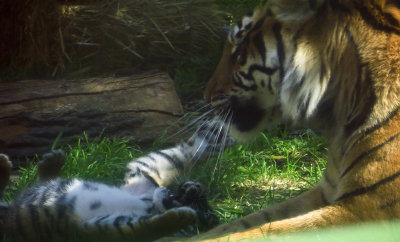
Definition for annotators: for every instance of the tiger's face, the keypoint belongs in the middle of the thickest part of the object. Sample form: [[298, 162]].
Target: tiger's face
[[271, 69], [247, 82]]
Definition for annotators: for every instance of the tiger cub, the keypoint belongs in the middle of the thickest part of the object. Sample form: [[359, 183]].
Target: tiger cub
[[141, 209]]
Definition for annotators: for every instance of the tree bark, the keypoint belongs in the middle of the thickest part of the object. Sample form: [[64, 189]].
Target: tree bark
[[33, 113]]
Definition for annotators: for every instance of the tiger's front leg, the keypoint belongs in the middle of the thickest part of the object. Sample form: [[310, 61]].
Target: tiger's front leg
[[338, 214], [310, 200], [362, 205]]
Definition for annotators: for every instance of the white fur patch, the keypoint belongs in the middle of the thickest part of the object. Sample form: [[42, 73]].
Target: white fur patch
[[104, 200], [303, 87]]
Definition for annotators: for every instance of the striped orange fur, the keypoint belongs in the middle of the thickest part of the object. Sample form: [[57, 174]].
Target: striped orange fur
[[333, 66]]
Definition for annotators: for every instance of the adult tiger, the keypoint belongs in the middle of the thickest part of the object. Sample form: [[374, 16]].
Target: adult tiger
[[331, 65]]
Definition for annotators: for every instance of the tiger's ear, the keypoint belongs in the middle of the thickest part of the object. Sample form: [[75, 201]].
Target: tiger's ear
[[294, 10]]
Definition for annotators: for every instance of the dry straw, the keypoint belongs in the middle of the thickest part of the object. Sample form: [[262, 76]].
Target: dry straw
[[27, 39], [51, 37]]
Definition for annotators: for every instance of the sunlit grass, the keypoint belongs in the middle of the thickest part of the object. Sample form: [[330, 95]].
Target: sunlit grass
[[274, 167], [98, 159]]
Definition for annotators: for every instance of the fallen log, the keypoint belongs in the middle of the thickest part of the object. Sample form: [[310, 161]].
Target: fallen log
[[33, 113]]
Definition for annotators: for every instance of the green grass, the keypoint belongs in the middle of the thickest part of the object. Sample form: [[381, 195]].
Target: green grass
[[100, 159], [271, 169], [245, 178]]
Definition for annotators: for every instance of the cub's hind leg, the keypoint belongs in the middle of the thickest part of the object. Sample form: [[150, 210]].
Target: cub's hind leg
[[49, 166]]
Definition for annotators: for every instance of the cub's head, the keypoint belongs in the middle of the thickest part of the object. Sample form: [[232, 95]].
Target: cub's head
[[288, 61]]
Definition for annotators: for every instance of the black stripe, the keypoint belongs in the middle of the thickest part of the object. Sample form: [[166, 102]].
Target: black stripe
[[265, 215], [248, 26], [235, 55], [18, 224], [266, 70], [45, 194], [149, 167], [237, 80], [90, 186], [243, 57], [305, 106], [101, 219], [177, 164], [146, 199], [323, 198], [129, 223], [61, 205], [297, 86], [295, 41], [98, 225], [239, 34], [322, 70], [239, 24], [248, 77], [150, 178], [245, 224], [276, 28], [34, 216], [376, 21], [359, 92], [257, 25], [270, 85], [117, 224], [62, 185], [366, 153], [393, 21], [49, 216], [258, 41], [382, 123], [329, 181], [371, 188], [390, 204], [152, 158]]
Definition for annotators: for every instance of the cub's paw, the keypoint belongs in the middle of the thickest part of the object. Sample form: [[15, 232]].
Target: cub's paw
[[50, 165], [5, 171], [159, 226], [163, 199], [171, 221], [190, 193]]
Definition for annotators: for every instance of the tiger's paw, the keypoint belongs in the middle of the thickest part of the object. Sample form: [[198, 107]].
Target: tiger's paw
[[165, 224], [50, 165]]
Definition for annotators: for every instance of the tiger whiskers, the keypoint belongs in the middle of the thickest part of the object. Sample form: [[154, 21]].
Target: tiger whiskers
[[193, 122]]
